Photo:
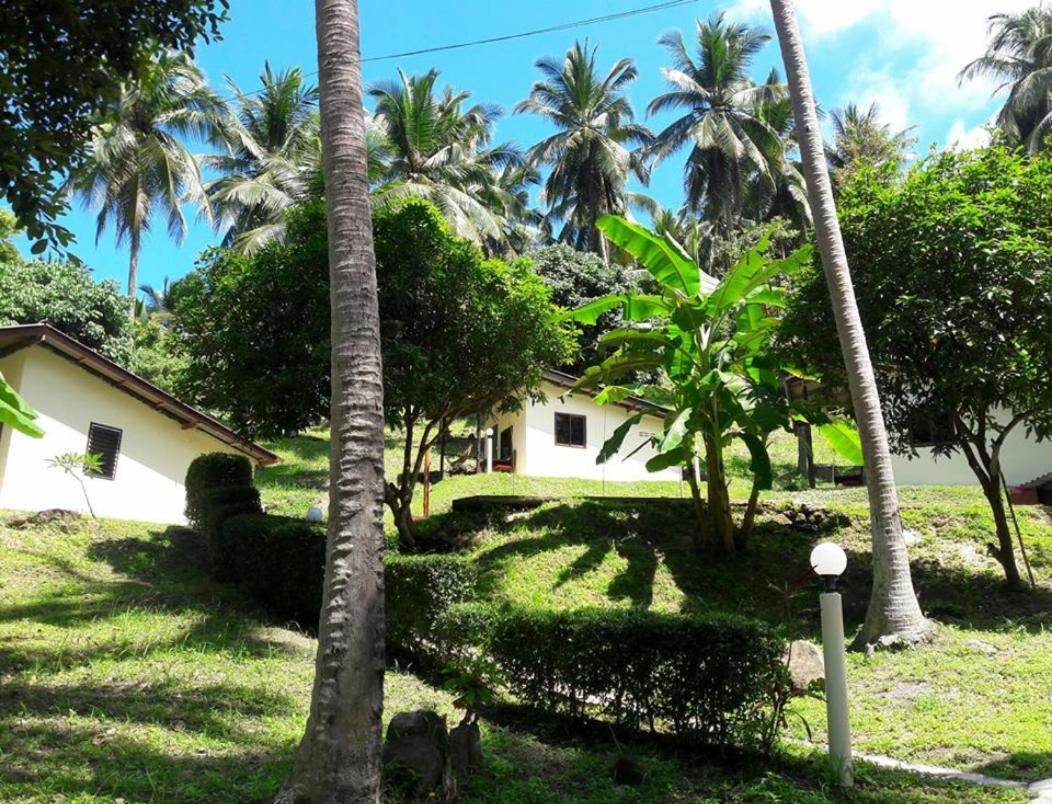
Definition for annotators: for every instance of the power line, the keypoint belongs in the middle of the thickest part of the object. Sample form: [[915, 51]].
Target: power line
[[565, 26]]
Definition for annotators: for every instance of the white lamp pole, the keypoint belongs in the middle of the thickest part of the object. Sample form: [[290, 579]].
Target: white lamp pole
[[829, 561], [489, 450]]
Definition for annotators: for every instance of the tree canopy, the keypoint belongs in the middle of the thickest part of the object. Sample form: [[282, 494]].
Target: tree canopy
[[953, 274], [54, 95]]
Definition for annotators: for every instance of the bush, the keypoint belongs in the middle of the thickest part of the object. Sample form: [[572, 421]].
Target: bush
[[419, 588], [279, 561], [219, 504], [712, 680], [212, 471]]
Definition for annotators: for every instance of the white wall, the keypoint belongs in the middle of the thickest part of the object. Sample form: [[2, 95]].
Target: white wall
[[538, 455], [1023, 459], [154, 454]]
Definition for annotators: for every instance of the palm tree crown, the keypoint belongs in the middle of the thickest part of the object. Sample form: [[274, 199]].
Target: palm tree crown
[[271, 152], [138, 163], [440, 151], [731, 142], [590, 163], [1019, 55], [861, 138]]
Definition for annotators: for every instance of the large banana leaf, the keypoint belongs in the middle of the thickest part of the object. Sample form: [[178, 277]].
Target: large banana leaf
[[634, 308], [751, 273], [760, 463], [16, 413], [659, 254], [842, 436], [617, 438]]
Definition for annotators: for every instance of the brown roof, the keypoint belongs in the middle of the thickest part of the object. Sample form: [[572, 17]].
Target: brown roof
[[632, 402], [15, 338]]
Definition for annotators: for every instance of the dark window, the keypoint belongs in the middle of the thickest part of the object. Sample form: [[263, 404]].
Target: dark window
[[505, 444], [106, 443], [932, 431], [570, 430]]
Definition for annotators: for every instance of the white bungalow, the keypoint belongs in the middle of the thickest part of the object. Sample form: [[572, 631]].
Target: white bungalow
[[87, 403], [562, 436]]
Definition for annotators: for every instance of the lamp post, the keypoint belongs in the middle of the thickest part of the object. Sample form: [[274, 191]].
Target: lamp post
[[489, 450], [829, 561]]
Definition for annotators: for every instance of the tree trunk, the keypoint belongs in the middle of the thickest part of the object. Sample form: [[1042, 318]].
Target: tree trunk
[[339, 757], [741, 541], [401, 505], [700, 515], [135, 243], [893, 609], [718, 498], [1004, 550]]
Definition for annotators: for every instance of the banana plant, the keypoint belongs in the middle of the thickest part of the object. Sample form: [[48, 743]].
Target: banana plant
[[16, 413], [704, 346]]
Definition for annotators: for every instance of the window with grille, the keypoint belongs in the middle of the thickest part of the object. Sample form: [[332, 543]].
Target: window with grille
[[106, 443], [570, 430]]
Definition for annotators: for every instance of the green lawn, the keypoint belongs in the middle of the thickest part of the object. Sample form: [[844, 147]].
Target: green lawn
[[979, 697], [125, 673]]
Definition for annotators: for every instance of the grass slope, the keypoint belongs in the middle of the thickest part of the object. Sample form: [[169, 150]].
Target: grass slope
[[977, 698], [126, 676]]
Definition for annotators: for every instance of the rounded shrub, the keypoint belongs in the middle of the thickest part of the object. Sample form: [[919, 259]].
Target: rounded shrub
[[211, 471]]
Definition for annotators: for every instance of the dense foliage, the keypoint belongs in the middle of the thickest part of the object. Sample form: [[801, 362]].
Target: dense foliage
[[709, 341], [66, 296], [254, 330], [212, 471], [576, 278], [61, 64], [953, 275]]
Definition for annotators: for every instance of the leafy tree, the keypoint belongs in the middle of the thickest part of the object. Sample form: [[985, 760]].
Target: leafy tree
[[8, 228], [61, 65], [461, 335], [860, 139], [575, 278], [253, 330], [1019, 54], [339, 757], [78, 465], [731, 144], [710, 339], [65, 296], [893, 611], [138, 164], [272, 152], [155, 356], [588, 157], [440, 151], [953, 275]]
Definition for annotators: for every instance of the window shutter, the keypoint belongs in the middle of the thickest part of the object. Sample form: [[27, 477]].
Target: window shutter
[[106, 443]]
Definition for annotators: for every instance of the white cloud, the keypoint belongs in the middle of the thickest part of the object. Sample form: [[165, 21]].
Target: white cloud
[[865, 87], [922, 44], [962, 138]]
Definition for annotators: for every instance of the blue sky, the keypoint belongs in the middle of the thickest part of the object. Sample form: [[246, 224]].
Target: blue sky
[[903, 54]]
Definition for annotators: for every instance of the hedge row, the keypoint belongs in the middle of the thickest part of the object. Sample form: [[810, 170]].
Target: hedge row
[[711, 680]]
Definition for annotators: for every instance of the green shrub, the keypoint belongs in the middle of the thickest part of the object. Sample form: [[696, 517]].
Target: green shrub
[[211, 471], [219, 505], [418, 589], [714, 681]]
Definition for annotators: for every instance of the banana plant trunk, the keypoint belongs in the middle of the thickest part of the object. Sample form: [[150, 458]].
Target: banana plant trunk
[[338, 759], [893, 612]]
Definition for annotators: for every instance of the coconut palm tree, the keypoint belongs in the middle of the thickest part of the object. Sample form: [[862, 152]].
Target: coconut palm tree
[[138, 162], [893, 609], [861, 138], [731, 145], [271, 151], [158, 304], [339, 756], [589, 156], [1019, 55], [443, 152]]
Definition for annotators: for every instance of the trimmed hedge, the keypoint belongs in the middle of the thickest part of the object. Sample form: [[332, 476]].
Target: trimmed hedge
[[418, 590], [220, 504], [711, 680], [281, 563], [212, 471]]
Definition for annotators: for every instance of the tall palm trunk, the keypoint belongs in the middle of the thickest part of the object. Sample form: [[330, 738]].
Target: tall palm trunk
[[339, 757], [134, 243], [893, 608]]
